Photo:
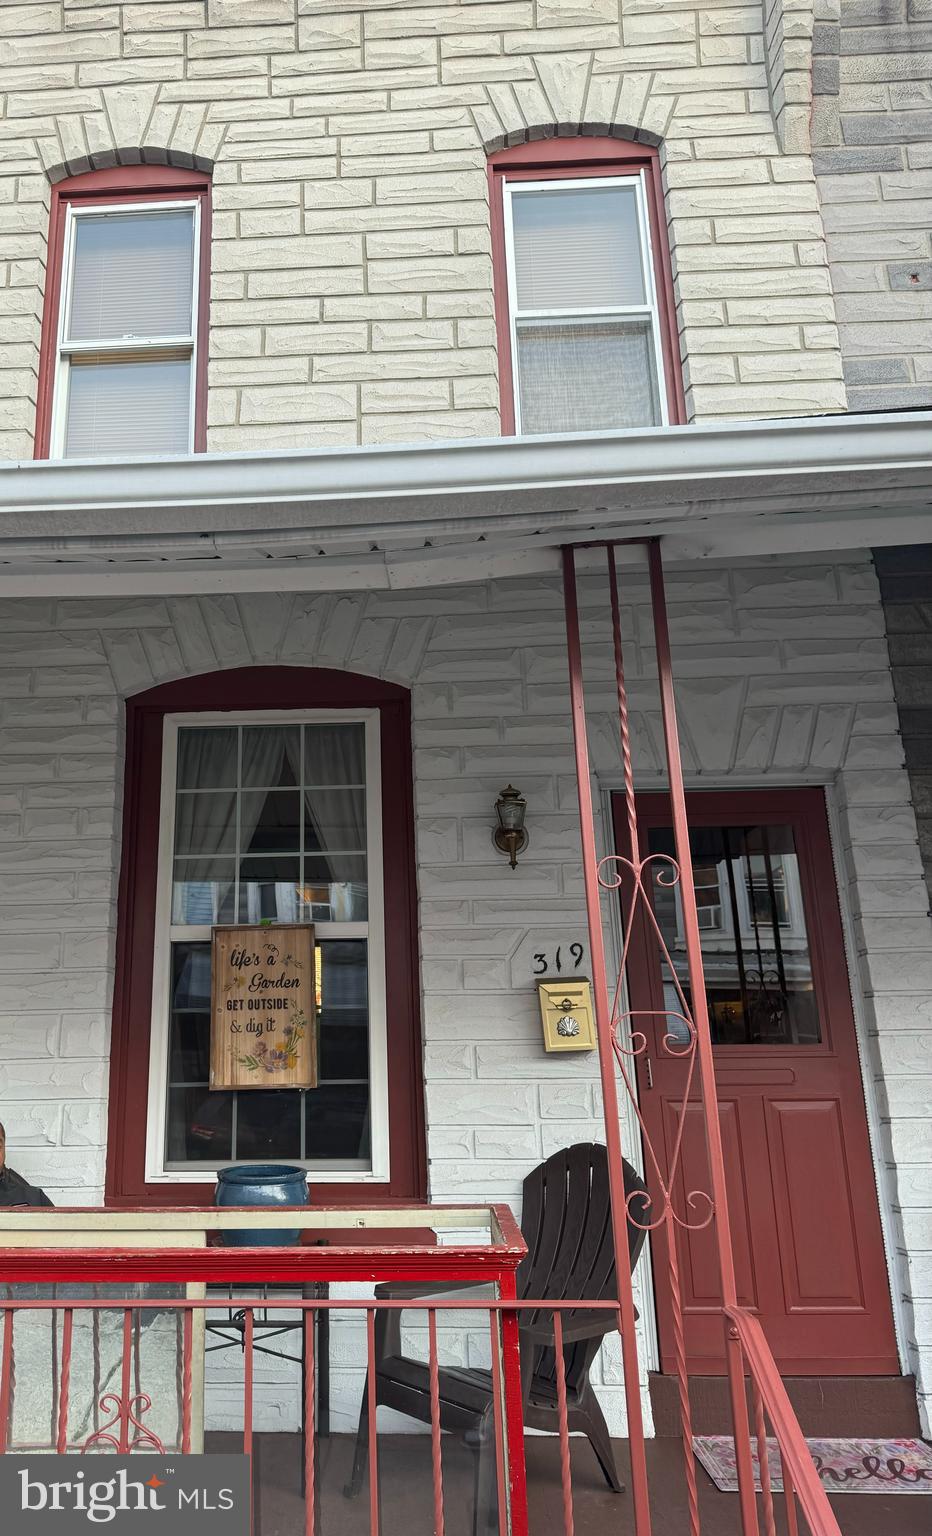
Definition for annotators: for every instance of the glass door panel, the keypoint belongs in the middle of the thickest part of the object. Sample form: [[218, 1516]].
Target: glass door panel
[[755, 947]]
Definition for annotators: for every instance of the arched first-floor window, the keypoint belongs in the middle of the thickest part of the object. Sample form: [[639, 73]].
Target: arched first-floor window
[[267, 795], [123, 369], [583, 287]]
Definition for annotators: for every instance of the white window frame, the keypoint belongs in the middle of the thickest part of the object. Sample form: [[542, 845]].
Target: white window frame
[[138, 346], [647, 311], [373, 930]]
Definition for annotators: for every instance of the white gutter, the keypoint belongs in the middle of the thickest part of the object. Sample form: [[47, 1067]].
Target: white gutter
[[713, 467]]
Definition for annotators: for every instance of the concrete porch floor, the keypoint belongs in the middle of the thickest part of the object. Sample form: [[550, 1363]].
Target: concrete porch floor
[[407, 1508]]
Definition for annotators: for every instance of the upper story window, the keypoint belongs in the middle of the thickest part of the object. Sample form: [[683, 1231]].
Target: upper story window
[[125, 325], [585, 312]]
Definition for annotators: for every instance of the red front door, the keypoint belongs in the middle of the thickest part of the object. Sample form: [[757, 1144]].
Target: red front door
[[803, 1201]]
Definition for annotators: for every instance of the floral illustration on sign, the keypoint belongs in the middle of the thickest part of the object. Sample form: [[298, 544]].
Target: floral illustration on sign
[[269, 1056]]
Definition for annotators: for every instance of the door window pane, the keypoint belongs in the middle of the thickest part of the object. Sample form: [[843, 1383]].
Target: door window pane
[[755, 947]]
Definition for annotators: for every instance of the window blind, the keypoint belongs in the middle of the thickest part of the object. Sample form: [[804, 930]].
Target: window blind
[[132, 275], [576, 248], [128, 407]]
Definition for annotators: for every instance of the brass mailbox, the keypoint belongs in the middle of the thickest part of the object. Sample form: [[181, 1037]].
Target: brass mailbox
[[566, 1012]]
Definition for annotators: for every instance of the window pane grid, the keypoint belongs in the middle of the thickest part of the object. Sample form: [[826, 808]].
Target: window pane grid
[[208, 1117], [262, 871], [229, 777]]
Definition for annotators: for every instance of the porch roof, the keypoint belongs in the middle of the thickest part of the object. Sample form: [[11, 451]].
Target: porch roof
[[429, 514]]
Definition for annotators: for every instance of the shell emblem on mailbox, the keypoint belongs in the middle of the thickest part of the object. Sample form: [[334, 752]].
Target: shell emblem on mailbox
[[566, 1013]]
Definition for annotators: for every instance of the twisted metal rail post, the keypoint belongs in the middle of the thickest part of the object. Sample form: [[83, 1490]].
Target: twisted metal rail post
[[603, 1015]]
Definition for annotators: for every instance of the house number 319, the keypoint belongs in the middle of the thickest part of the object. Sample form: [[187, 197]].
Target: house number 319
[[567, 957]]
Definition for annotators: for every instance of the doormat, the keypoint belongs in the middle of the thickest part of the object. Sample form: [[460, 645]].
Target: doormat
[[845, 1466]]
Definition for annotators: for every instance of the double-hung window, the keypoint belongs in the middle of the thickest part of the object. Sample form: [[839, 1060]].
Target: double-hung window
[[583, 303], [271, 818], [125, 337], [262, 795]]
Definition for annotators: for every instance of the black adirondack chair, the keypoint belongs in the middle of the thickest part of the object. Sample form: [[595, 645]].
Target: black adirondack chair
[[567, 1227]]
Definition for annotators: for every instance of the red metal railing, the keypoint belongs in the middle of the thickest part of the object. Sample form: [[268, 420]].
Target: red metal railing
[[802, 1491], [126, 1432], [621, 1040]]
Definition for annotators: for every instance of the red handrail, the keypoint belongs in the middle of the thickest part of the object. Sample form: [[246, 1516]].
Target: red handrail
[[793, 1448]]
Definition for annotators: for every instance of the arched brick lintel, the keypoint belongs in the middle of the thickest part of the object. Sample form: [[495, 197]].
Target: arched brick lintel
[[565, 140], [152, 157]]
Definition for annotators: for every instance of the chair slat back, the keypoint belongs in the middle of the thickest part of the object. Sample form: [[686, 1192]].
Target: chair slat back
[[566, 1222]]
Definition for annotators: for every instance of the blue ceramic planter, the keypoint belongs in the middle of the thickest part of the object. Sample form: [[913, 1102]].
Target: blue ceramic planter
[[261, 1184]]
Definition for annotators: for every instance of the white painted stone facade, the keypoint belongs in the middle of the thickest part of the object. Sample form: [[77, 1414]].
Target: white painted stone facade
[[784, 679], [352, 303], [351, 275]]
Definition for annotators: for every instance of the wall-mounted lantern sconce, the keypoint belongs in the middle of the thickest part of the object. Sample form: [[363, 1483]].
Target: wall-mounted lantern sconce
[[509, 836]]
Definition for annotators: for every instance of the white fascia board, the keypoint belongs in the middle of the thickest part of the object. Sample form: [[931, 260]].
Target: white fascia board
[[452, 487], [406, 570]]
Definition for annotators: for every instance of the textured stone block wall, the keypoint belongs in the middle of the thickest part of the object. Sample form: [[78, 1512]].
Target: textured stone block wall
[[906, 588], [872, 149], [351, 270], [784, 678]]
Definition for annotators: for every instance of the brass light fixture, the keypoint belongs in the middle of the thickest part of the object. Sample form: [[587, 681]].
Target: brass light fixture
[[509, 836]]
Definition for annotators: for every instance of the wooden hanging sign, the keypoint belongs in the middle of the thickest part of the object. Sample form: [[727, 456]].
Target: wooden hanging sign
[[263, 1011]]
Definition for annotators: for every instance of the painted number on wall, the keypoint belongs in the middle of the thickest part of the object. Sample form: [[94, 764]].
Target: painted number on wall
[[565, 958]]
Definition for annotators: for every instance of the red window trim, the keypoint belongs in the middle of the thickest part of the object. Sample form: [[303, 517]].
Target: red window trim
[[558, 160], [258, 688], [121, 184]]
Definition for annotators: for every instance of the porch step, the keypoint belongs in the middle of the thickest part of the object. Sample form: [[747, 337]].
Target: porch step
[[858, 1406]]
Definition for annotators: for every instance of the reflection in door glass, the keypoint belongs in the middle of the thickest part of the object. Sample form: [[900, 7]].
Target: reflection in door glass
[[755, 948]]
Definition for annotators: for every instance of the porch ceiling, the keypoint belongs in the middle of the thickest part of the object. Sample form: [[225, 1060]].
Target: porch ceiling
[[430, 514]]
